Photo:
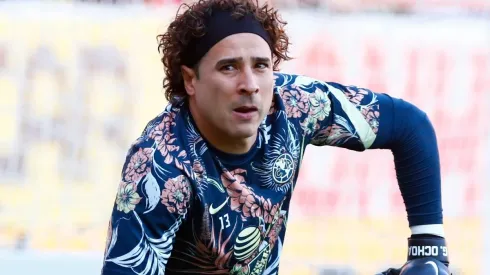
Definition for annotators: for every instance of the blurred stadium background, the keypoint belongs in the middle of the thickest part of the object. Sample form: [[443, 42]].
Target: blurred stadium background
[[80, 79]]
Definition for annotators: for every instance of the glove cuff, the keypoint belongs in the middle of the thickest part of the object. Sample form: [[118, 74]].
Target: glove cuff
[[421, 247]]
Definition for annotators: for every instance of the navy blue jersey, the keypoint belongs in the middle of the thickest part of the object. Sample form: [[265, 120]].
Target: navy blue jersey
[[185, 207]]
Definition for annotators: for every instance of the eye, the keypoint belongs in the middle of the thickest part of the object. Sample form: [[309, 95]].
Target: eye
[[262, 65], [227, 68]]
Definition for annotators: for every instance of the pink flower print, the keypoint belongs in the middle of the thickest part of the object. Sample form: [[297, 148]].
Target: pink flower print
[[198, 170], [127, 198], [275, 231], [182, 162], [271, 212], [235, 186], [372, 117], [166, 146], [139, 165], [176, 195], [261, 208], [253, 207], [355, 96], [244, 200], [337, 134], [296, 102], [163, 128]]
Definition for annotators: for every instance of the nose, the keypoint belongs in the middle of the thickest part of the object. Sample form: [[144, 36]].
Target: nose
[[248, 82]]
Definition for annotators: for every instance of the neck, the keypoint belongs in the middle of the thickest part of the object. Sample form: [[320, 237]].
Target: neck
[[220, 140]]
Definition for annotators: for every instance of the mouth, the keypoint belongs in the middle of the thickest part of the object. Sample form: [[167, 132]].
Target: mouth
[[245, 113], [245, 109]]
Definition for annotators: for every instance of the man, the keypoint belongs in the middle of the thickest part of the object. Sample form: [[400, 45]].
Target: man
[[207, 187]]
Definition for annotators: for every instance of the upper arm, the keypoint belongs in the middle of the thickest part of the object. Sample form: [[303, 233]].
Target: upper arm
[[332, 114], [151, 203]]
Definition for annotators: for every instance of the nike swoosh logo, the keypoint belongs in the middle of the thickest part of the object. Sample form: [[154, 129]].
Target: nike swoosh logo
[[434, 266], [213, 210]]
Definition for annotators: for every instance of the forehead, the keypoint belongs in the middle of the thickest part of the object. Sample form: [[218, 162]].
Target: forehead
[[239, 45]]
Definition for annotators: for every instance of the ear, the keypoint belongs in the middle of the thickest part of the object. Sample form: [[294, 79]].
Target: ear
[[189, 77]]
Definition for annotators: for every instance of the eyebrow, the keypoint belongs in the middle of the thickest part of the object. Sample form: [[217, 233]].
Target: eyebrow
[[227, 61], [233, 60], [261, 59]]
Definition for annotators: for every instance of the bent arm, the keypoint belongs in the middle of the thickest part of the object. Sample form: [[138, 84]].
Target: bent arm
[[409, 134], [332, 114]]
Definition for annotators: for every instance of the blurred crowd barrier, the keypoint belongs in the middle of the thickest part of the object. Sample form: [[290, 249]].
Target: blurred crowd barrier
[[79, 83]]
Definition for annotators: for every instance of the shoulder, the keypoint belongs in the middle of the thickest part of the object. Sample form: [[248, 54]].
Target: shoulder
[[304, 89], [159, 147], [163, 123], [296, 95], [287, 81]]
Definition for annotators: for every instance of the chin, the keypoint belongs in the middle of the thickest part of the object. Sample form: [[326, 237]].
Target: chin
[[244, 131]]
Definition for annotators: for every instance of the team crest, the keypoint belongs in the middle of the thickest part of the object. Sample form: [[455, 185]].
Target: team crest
[[283, 169]]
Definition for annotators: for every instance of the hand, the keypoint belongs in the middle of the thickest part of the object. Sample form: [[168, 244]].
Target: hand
[[421, 266], [390, 271], [427, 255]]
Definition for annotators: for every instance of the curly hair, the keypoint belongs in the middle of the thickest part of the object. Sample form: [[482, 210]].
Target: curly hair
[[189, 25]]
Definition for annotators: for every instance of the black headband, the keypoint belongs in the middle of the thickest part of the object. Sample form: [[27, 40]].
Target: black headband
[[218, 26]]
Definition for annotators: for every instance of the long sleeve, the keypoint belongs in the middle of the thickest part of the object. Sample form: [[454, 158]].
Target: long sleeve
[[331, 114], [152, 201], [409, 134]]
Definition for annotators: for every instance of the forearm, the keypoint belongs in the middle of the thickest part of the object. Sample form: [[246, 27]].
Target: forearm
[[413, 141]]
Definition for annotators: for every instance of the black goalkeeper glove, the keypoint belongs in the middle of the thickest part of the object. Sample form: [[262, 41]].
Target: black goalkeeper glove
[[427, 255]]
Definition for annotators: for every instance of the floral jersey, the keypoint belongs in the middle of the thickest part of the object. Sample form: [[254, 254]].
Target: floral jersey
[[184, 207]]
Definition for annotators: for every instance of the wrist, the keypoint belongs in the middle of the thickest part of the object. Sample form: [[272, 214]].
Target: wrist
[[432, 229], [426, 245]]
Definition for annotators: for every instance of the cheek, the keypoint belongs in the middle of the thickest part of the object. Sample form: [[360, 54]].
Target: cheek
[[267, 84], [219, 91], [210, 100], [268, 93]]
